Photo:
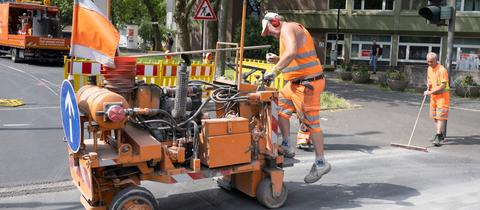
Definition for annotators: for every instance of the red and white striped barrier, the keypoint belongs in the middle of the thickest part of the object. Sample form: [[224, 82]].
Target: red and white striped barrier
[[86, 68], [147, 70]]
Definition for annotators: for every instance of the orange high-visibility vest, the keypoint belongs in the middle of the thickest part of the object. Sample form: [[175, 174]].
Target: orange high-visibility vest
[[306, 60]]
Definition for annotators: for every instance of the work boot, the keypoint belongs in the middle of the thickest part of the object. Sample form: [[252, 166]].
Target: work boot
[[316, 172], [442, 137], [436, 140], [287, 151]]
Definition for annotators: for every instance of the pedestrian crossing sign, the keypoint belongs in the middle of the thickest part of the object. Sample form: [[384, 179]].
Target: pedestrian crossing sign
[[205, 12]]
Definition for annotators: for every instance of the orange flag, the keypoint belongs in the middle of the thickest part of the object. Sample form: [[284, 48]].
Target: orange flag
[[93, 36]]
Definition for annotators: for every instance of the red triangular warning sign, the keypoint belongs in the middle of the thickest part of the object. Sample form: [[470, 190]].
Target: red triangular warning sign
[[205, 12]]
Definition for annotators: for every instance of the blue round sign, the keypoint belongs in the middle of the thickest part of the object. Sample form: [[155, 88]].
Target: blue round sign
[[70, 115]]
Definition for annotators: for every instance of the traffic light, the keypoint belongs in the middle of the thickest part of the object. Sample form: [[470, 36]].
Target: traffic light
[[436, 12]]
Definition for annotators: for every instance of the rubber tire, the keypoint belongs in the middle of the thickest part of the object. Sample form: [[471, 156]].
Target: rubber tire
[[265, 195], [133, 192], [14, 56]]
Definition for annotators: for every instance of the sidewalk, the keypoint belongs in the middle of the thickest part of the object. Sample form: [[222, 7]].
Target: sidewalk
[[374, 92]]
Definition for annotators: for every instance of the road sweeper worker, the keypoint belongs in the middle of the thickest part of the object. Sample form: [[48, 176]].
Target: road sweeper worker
[[438, 89], [299, 64]]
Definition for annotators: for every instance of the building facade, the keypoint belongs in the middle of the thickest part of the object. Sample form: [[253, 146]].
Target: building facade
[[405, 37]]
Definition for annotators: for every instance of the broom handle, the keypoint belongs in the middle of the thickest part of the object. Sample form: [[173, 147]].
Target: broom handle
[[416, 121]]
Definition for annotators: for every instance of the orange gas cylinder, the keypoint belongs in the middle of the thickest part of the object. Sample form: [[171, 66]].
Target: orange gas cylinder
[[93, 101]]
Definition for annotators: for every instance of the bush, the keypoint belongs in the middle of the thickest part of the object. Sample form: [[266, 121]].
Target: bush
[[465, 82], [396, 75]]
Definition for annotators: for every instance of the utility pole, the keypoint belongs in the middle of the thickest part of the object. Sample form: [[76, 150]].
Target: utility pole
[[450, 38], [334, 54]]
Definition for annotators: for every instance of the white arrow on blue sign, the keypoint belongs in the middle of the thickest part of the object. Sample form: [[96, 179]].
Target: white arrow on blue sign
[[70, 115]]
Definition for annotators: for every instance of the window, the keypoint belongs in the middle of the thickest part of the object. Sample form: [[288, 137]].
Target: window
[[335, 4], [330, 45], [415, 49], [362, 46], [413, 4], [373, 4], [468, 5], [466, 54]]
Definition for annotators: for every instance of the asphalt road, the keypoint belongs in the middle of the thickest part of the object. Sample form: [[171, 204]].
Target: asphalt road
[[367, 173], [31, 136]]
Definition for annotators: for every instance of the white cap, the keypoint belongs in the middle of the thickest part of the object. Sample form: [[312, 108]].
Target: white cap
[[267, 19]]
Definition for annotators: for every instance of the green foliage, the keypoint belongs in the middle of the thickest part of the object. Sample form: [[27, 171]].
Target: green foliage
[[330, 101], [65, 11], [361, 68], [396, 75], [465, 82], [134, 12], [253, 37]]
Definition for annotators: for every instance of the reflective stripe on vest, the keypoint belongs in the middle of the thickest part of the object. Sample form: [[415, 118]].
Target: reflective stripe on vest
[[300, 67], [306, 54]]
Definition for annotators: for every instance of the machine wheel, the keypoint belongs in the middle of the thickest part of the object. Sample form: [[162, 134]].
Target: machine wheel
[[14, 56], [134, 198], [265, 194]]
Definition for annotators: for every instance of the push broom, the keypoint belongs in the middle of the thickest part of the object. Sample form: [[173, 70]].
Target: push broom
[[408, 146]]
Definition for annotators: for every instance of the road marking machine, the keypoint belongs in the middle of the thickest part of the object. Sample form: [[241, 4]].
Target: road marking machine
[[125, 131]]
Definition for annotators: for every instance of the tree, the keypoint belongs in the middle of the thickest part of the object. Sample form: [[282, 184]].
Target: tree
[[212, 26], [222, 34], [147, 14], [183, 8], [65, 11], [253, 37]]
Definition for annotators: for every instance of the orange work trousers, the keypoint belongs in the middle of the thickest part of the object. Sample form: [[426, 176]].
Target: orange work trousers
[[439, 106], [304, 101]]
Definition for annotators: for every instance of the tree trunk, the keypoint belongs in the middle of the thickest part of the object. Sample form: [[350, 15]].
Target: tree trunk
[[157, 37], [222, 35], [182, 14], [212, 26]]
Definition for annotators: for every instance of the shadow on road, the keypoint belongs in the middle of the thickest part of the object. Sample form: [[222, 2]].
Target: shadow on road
[[463, 140], [300, 196], [336, 196], [352, 147]]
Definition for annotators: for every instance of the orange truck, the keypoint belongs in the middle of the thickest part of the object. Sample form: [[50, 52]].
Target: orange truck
[[29, 31]]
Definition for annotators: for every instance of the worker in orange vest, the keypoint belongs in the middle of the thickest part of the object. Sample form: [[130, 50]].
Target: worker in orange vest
[[439, 91], [300, 66]]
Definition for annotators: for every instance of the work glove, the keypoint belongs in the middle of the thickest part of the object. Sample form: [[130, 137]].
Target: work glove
[[270, 76], [271, 58]]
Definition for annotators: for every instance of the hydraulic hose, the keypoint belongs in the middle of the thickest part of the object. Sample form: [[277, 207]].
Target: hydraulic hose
[[180, 105]]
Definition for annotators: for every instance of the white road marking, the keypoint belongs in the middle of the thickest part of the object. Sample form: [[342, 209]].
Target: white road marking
[[51, 83], [32, 76], [15, 125]]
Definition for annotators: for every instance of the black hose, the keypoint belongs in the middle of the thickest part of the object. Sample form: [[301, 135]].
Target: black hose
[[170, 125], [161, 111], [195, 139], [195, 114]]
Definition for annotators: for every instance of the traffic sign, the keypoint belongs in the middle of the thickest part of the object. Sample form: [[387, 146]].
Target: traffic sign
[[205, 12], [70, 115]]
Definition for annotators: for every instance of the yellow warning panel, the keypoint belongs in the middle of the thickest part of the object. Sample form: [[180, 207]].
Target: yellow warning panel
[[11, 102]]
